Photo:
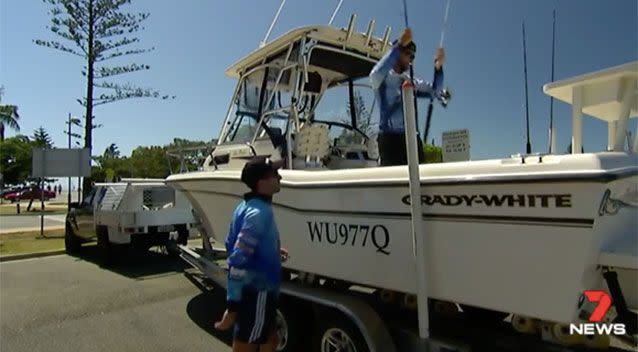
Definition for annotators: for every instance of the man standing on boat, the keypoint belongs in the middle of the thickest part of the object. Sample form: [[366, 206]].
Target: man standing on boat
[[386, 77], [254, 260]]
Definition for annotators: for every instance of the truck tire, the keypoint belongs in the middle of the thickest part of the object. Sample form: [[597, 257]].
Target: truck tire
[[72, 244], [337, 330], [482, 315], [104, 247]]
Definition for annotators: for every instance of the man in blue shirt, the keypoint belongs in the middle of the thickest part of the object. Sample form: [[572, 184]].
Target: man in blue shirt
[[254, 260], [386, 77]]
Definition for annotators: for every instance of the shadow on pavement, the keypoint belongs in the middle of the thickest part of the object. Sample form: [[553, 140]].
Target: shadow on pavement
[[207, 308], [135, 265]]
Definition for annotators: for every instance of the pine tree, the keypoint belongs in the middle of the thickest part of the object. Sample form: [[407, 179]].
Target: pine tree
[[41, 138], [100, 30]]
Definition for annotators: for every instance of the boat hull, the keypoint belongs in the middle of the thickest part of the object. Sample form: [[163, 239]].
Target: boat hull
[[528, 245]]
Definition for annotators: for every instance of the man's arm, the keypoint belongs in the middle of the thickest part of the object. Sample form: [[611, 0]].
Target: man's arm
[[427, 89], [242, 251], [382, 68]]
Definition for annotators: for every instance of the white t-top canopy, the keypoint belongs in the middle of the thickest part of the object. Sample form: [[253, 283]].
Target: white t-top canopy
[[610, 95]]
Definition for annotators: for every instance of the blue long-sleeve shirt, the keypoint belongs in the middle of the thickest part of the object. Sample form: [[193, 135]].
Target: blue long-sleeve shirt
[[387, 85], [254, 249]]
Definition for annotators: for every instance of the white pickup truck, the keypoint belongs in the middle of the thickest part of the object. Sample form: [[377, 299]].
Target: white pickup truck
[[136, 213]]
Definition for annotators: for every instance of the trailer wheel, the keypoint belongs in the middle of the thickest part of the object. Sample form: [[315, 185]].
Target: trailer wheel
[[482, 315], [288, 326], [336, 333], [104, 247], [72, 244]]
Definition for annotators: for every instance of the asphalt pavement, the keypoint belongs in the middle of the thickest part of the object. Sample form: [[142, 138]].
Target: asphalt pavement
[[13, 223], [143, 303]]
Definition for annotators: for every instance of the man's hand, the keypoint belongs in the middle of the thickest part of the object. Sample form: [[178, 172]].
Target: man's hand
[[406, 37], [228, 320], [439, 57], [283, 252]]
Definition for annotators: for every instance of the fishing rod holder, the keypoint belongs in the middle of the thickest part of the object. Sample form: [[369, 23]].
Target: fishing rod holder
[[350, 29]]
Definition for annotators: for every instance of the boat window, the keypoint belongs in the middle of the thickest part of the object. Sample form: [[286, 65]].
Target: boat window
[[333, 109]]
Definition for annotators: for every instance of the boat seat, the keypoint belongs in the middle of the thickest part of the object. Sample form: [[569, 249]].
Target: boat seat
[[312, 145], [373, 148]]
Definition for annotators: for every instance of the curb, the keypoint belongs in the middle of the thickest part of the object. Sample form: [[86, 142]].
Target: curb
[[7, 258]]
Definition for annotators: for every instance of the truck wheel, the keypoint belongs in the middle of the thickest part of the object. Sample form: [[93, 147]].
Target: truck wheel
[[482, 315], [336, 333], [104, 246], [72, 244], [288, 328]]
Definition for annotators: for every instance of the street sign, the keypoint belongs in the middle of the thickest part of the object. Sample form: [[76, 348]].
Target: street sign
[[61, 162], [456, 145]]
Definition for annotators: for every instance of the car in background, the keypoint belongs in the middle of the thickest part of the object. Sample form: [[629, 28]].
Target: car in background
[[7, 191], [28, 194]]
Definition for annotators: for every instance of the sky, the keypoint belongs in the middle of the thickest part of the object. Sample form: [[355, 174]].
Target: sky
[[196, 40]]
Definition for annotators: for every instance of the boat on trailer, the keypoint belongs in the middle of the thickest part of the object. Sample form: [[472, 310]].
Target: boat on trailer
[[524, 235]]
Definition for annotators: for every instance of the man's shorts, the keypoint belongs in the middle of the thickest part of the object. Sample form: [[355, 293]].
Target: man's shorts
[[256, 316]]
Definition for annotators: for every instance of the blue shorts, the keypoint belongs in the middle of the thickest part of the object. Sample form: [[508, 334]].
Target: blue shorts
[[256, 316]]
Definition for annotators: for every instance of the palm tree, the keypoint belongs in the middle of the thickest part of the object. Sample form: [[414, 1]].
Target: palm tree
[[8, 116]]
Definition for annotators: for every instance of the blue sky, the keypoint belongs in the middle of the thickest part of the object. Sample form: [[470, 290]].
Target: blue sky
[[196, 40]]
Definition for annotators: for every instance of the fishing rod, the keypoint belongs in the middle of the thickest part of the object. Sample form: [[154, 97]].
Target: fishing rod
[[552, 143], [529, 144], [335, 12], [263, 42], [445, 94]]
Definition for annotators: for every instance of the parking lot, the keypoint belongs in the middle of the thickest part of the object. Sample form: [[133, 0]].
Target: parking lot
[[143, 303]]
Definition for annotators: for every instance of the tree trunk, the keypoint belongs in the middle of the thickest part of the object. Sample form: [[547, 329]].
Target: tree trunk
[[88, 126], [1, 132]]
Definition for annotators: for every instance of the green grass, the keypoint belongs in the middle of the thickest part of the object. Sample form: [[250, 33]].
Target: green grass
[[31, 242]]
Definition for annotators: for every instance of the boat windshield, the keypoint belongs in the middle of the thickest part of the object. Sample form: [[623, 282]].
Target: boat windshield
[[331, 107], [334, 109], [246, 106]]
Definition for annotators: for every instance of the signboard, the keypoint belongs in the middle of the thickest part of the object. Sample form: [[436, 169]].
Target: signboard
[[456, 145], [60, 162]]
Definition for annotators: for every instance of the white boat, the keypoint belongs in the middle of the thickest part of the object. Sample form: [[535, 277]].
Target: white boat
[[525, 235]]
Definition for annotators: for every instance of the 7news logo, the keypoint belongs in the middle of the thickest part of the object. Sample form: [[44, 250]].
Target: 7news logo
[[596, 326]]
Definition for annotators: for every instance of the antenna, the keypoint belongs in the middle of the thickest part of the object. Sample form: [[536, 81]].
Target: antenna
[[334, 13], [552, 135], [529, 145], [263, 42]]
